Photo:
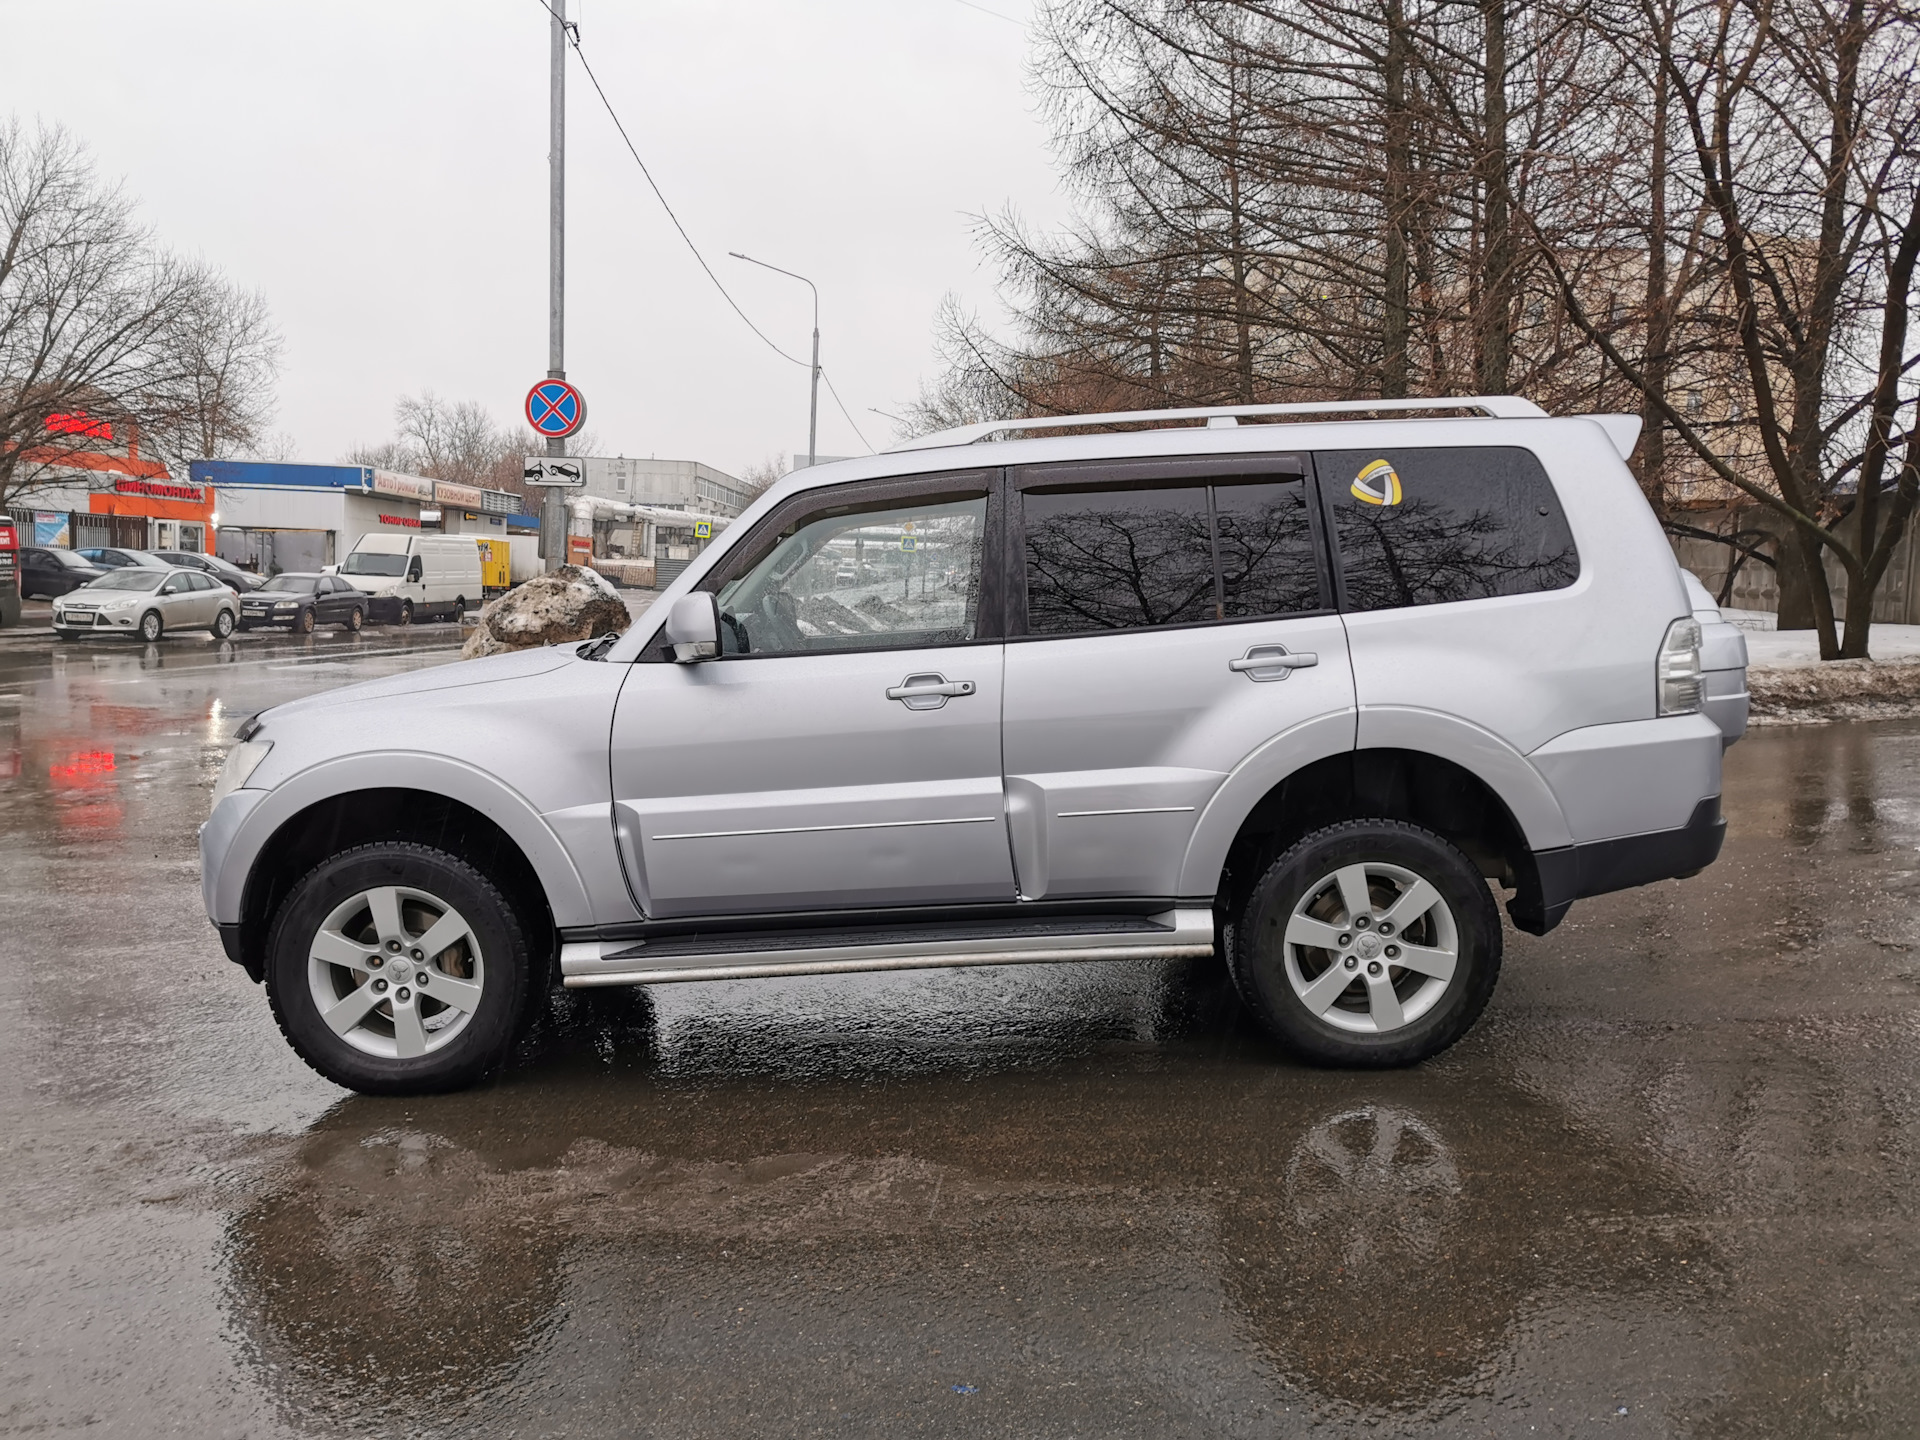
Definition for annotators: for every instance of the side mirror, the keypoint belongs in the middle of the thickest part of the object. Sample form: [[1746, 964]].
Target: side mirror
[[172, 587], [693, 628]]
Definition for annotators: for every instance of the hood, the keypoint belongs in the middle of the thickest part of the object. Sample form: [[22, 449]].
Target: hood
[[490, 669], [372, 584]]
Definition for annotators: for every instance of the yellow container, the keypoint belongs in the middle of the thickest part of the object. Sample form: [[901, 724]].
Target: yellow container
[[496, 566]]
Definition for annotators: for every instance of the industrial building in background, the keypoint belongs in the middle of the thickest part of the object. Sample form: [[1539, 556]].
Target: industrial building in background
[[626, 515]]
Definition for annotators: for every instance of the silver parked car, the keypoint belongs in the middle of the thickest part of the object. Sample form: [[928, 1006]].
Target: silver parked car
[[1301, 695], [146, 602]]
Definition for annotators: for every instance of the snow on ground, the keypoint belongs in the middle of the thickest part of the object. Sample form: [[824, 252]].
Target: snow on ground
[[1789, 649]]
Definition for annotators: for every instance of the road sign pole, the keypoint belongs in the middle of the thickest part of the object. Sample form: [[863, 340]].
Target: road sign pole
[[553, 512]]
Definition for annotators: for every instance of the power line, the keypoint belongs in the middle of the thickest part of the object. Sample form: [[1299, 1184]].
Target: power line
[[573, 38], [994, 13], [843, 408]]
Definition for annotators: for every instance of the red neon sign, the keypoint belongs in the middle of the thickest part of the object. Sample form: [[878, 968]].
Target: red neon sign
[[80, 423], [158, 490], [410, 523]]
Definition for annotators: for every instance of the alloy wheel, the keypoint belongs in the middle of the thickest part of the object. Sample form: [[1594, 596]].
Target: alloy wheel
[[1371, 948], [396, 972]]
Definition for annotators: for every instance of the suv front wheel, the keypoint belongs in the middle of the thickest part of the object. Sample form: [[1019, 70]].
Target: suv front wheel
[[1370, 943], [396, 969]]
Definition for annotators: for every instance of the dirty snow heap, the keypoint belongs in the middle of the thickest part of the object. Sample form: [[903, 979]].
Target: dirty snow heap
[[571, 604]]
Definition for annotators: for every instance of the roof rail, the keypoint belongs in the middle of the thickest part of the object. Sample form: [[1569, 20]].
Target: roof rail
[[1505, 407]]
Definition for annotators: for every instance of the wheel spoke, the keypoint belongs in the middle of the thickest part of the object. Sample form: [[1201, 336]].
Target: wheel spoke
[[1420, 898], [1428, 960], [409, 1038], [1383, 1004], [334, 948], [442, 934], [1304, 930], [460, 994], [1353, 891], [350, 1009], [385, 904], [1324, 989]]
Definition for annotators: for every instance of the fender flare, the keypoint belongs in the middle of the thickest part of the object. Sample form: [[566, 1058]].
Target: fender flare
[[405, 770], [1482, 754], [1501, 768], [1248, 783]]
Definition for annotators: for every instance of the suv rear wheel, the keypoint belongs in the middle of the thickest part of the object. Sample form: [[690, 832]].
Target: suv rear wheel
[[1371, 943], [396, 969]]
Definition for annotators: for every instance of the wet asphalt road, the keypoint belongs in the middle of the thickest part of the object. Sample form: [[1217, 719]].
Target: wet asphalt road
[[1666, 1188]]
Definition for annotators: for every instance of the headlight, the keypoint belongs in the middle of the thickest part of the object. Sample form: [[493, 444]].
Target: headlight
[[242, 760], [1677, 671], [286, 605]]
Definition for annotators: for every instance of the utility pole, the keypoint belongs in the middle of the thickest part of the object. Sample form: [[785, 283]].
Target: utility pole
[[553, 510]]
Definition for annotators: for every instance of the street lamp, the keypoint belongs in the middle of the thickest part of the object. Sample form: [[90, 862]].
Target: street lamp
[[813, 406]]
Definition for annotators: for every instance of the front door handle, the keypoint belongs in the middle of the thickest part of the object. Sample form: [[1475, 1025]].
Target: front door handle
[[928, 692], [1272, 662]]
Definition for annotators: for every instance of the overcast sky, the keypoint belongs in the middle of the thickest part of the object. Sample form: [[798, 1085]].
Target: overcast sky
[[378, 168]]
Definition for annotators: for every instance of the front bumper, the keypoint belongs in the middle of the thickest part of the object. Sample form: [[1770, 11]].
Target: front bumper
[[99, 622], [1556, 878]]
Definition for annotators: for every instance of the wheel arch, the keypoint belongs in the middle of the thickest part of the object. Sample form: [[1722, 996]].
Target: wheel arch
[[416, 799], [1435, 791]]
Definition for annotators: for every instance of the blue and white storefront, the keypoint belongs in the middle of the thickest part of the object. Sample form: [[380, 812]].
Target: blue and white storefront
[[273, 517]]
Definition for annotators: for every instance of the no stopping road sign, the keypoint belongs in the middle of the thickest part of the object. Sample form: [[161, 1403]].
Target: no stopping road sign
[[555, 409]]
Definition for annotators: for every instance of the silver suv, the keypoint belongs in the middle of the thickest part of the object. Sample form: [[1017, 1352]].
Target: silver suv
[[1288, 693]]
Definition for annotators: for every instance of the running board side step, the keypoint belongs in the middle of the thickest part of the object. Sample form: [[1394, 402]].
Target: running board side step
[[1172, 934]]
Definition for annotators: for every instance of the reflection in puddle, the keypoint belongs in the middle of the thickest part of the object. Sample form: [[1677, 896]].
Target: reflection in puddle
[[721, 1203]]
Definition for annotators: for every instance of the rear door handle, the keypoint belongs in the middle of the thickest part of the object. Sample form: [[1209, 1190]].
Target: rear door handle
[[929, 691], [1272, 662]]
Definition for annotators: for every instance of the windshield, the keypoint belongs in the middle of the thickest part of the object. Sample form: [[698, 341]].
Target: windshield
[[129, 580], [294, 584], [369, 562]]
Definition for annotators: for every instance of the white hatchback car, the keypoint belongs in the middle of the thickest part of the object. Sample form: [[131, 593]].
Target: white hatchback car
[[1289, 693]]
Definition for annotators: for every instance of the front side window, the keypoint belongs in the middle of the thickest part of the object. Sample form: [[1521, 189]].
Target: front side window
[[1426, 526], [893, 575], [1129, 558]]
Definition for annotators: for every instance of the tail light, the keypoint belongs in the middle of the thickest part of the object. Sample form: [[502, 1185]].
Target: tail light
[[1677, 672]]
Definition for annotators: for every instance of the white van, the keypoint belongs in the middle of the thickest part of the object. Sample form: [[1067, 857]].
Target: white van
[[415, 577]]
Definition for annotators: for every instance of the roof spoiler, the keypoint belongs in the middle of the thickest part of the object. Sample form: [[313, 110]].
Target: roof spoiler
[[1622, 430]]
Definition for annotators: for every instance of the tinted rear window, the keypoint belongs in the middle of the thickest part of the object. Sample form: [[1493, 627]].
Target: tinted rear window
[[1124, 558], [1426, 526]]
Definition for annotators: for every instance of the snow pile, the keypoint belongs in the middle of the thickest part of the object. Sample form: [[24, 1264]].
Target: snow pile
[[570, 605]]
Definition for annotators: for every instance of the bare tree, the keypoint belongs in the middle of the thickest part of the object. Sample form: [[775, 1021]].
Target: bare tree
[[97, 320], [1797, 147]]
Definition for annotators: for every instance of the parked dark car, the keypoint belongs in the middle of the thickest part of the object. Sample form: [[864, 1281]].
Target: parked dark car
[[46, 573], [300, 602], [225, 571], [111, 557]]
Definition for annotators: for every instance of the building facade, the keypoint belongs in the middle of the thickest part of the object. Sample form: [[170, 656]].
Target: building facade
[[275, 517], [104, 492]]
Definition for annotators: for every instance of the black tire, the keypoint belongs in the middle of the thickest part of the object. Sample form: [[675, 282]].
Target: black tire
[[406, 612], [223, 625], [355, 620], [1260, 962], [460, 610], [152, 627], [491, 1029], [305, 623]]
